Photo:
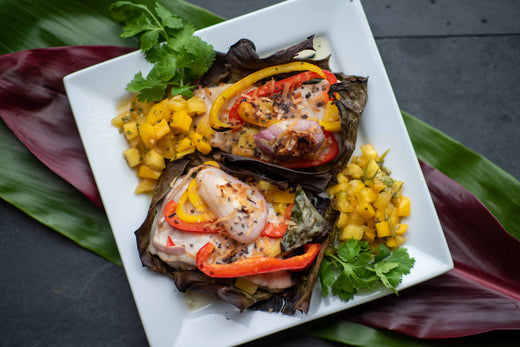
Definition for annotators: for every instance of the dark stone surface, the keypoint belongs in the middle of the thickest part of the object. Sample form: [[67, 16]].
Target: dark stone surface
[[454, 65]]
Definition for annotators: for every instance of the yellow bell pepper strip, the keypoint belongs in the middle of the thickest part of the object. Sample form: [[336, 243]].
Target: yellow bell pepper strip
[[276, 88], [189, 217], [195, 198], [249, 80], [332, 126], [256, 265]]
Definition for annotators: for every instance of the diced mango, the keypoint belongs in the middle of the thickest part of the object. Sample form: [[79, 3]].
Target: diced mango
[[130, 130], [403, 207], [391, 242], [372, 169], [369, 234], [342, 220], [377, 185], [132, 156], [162, 128], [366, 210], [355, 186], [185, 144], [366, 195], [122, 118], [195, 105], [351, 231], [180, 121], [342, 178], [154, 160], [156, 113], [147, 133], [383, 229], [176, 103], [383, 199], [200, 142], [337, 188], [341, 203], [274, 194], [354, 170], [137, 142], [355, 218], [246, 285], [166, 146], [145, 185], [147, 172], [401, 229], [369, 152]]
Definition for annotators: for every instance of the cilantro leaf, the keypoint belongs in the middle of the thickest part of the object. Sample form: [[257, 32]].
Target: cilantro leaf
[[179, 58], [149, 39], [167, 19], [353, 265]]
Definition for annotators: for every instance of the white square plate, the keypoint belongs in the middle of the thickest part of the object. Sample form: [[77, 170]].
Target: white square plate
[[94, 94]]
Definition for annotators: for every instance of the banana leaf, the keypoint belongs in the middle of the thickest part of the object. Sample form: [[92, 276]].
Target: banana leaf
[[27, 184], [492, 185], [28, 24]]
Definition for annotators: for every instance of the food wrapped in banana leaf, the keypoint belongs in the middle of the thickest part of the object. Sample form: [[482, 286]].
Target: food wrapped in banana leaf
[[248, 222]]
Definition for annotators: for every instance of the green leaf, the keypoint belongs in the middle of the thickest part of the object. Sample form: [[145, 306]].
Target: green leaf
[[149, 39], [309, 223], [357, 334], [489, 183], [121, 11], [168, 21], [28, 24], [29, 185]]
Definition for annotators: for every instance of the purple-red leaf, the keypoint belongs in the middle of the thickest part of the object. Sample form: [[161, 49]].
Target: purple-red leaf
[[33, 104], [480, 294]]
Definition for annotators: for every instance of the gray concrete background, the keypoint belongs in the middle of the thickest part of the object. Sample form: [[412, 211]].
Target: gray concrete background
[[453, 64]]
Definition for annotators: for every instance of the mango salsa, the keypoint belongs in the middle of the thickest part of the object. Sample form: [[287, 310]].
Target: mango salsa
[[157, 133], [370, 202]]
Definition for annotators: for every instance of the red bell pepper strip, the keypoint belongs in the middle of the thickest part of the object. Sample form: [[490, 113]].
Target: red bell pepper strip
[[256, 265], [277, 88], [271, 229], [278, 229], [326, 154], [169, 242]]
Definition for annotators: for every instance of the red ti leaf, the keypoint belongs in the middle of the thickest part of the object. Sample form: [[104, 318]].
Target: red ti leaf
[[481, 293], [34, 106]]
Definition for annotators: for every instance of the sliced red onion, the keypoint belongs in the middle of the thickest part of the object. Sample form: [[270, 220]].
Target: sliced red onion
[[171, 250], [290, 138]]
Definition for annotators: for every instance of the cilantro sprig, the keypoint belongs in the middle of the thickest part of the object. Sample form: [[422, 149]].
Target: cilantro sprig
[[353, 266], [179, 58]]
